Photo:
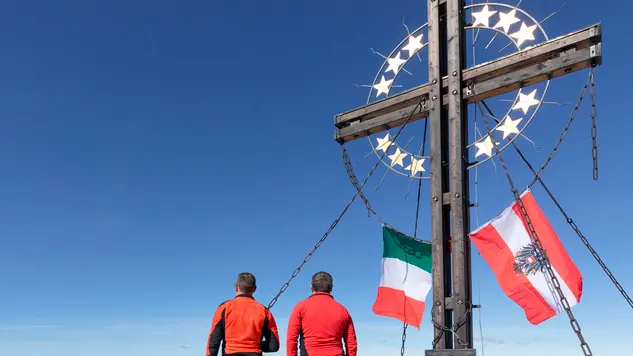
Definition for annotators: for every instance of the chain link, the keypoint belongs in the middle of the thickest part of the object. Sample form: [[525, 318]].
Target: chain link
[[352, 177], [359, 189], [349, 168], [460, 322], [571, 222], [594, 131], [532, 232], [597, 257], [404, 338], [563, 134], [309, 256]]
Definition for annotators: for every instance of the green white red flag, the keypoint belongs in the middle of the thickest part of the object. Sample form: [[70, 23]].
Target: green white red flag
[[507, 247], [405, 279]]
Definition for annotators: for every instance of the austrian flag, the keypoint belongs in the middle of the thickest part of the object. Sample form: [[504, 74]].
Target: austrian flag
[[507, 247]]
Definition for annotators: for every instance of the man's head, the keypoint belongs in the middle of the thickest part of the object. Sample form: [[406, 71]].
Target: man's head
[[245, 284], [322, 283]]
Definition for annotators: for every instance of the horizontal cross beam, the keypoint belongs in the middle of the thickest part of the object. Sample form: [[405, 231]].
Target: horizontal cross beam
[[557, 57]]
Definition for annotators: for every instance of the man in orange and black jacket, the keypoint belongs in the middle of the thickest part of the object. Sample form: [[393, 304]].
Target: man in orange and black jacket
[[243, 326], [321, 323]]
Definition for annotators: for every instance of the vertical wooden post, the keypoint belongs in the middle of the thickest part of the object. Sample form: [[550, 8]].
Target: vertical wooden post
[[458, 157], [440, 210], [449, 176]]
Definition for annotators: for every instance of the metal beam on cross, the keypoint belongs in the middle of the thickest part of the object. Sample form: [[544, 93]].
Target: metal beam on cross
[[559, 56]]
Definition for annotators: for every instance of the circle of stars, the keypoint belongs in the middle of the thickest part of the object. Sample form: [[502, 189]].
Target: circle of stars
[[397, 156], [520, 33], [505, 19]]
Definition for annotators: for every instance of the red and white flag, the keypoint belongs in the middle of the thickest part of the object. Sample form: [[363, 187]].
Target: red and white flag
[[505, 244]]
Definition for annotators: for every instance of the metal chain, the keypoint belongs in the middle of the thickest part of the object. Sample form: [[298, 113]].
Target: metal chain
[[569, 220], [594, 131], [352, 177], [349, 168], [584, 240], [309, 255], [595, 255], [532, 232], [404, 338], [563, 134], [338, 219], [460, 322]]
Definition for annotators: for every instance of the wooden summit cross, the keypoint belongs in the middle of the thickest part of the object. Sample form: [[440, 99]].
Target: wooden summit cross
[[446, 110]]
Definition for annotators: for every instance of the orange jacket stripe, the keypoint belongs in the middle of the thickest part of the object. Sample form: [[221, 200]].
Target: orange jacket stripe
[[243, 327]]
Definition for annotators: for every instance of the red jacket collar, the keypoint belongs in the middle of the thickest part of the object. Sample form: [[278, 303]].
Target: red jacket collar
[[322, 293]]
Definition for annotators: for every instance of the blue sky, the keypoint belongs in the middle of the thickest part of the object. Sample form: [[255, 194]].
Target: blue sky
[[150, 151]]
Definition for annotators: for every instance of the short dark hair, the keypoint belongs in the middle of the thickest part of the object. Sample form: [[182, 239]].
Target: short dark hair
[[322, 282], [246, 282]]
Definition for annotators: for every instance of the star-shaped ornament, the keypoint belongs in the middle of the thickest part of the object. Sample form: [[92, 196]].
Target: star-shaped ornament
[[526, 33], [415, 166], [485, 147], [397, 157], [414, 44], [506, 20], [383, 143], [383, 86], [483, 17], [509, 126], [395, 63], [526, 101]]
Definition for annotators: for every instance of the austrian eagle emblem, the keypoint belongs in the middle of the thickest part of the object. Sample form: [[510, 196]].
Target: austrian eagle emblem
[[528, 260]]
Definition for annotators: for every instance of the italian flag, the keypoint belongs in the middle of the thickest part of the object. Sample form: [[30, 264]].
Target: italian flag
[[506, 245], [405, 279]]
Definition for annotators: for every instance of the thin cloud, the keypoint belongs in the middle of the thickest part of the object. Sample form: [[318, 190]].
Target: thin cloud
[[523, 342], [490, 340], [27, 327]]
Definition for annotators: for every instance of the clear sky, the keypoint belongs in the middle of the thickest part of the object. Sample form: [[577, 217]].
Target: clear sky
[[152, 150]]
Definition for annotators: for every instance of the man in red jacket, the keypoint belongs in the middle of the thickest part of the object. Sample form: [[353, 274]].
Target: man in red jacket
[[241, 325], [320, 323]]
